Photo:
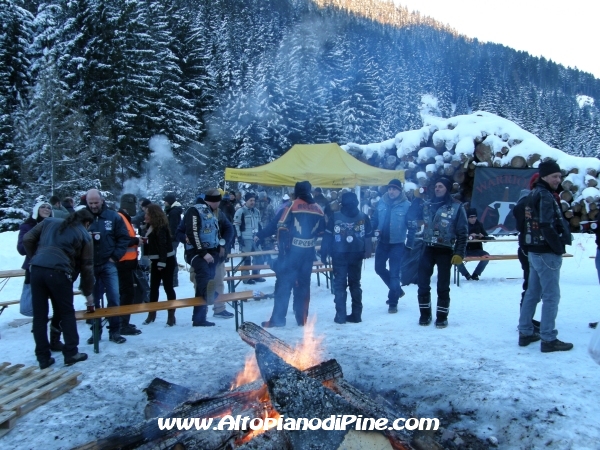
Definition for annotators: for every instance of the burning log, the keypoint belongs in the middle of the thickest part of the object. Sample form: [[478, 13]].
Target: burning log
[[296, 395]]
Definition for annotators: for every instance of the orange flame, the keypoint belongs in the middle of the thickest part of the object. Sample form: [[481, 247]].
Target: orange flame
[[309, 352], [249, 374]]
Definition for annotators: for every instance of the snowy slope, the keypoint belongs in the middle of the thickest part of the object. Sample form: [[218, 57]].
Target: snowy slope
[[472, 371]]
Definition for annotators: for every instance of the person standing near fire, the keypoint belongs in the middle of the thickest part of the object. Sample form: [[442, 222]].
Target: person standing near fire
[[445, 238], [298, 227], [247, 224], [546, 235], [348, 240], [390, 225]]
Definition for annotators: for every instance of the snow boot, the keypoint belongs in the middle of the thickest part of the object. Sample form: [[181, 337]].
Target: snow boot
[[425, 309]]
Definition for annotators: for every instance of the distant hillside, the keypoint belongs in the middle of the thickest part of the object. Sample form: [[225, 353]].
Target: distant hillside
[[238, 82]]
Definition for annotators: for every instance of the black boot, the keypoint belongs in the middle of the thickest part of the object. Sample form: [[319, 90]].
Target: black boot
[[443, 307], [90, 340], [151, 318], [356, 316], [201, 318], [55, 344], [425, 309], [171, 319]]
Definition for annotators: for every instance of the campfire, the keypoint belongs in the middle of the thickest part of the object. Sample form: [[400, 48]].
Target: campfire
[[285, 398]]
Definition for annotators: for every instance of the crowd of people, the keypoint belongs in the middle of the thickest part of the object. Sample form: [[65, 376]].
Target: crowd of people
[[100, 246]]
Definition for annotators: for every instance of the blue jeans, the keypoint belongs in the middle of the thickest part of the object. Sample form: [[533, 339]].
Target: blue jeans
[[480, 267], [544, 278], [107, 280], [394, 254], [204, 272]]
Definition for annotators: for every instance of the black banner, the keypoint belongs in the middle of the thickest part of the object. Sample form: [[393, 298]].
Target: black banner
[[495, 193]]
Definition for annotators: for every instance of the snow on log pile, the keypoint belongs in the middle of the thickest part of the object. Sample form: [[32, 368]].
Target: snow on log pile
[[456, 146]]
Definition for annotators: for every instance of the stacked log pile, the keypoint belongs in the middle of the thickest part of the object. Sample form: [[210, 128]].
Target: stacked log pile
[[455, 147]]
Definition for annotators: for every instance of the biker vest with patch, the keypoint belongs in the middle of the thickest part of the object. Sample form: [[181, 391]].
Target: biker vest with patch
[[209, 233], [348, 233], [440, 230]]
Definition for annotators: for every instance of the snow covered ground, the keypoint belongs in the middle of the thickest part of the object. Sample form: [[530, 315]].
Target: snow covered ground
[[472, 371]]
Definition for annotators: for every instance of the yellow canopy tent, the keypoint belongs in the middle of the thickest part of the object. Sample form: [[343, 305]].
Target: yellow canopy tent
[[324, 165]]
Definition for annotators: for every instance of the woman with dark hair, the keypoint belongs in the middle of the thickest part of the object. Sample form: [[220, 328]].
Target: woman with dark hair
[[58, 250], [41, 211], [159, 249]]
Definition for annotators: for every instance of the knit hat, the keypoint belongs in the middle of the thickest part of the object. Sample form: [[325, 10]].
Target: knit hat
[[395, 183], [302, 188], [128, 204], [36, 208], [249, 195], [471, 212], [446, 182], [145, 202], [262, 194], [349, 199], [548, 167], [285, 197], [170, 198]]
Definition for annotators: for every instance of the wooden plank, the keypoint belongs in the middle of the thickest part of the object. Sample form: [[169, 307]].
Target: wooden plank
[[140, 308], [235, 296], [12, 273], [17, 379], [262, 267], [12, 369], [50, 376], [10, 302], [500, 257], [249, 277], [8, 420], [45, 394], [3, 366]]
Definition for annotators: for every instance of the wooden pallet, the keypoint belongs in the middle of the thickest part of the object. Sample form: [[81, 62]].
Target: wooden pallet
[[22, 389]]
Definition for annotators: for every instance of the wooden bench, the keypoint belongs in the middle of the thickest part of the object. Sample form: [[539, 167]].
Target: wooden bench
[[115, 311], [234, 280], [489, 258], [4, 305]]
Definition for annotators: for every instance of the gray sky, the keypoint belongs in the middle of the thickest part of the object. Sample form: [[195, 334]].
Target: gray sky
[[561, 31]]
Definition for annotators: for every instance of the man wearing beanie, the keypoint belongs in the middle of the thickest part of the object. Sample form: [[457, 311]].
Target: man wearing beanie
[[390, 225], [348, 240], [546, 235], [445, 239], [298, 227], [247, 223]]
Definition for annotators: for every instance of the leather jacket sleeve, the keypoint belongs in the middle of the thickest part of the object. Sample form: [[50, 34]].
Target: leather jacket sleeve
[[548, 223], [462, 233]]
